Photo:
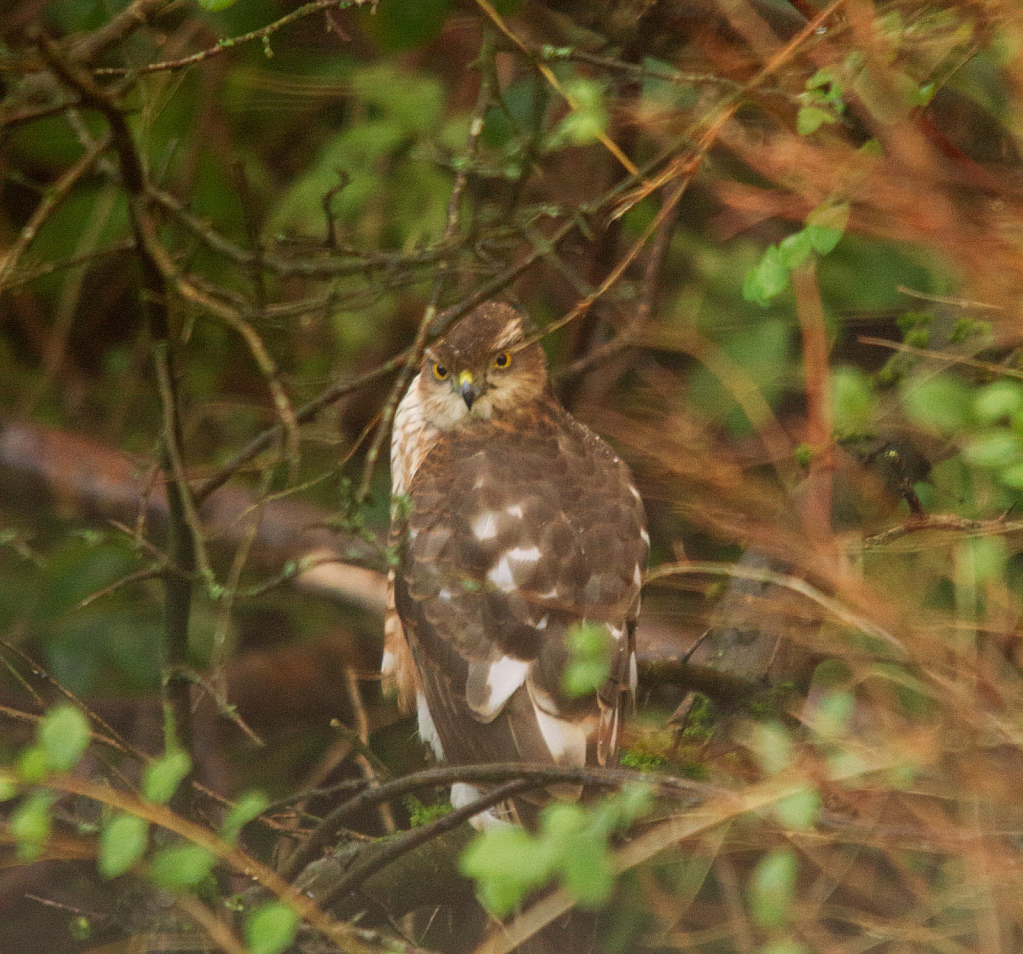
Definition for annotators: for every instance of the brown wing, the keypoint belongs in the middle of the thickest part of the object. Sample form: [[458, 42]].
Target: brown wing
[[515, 532]]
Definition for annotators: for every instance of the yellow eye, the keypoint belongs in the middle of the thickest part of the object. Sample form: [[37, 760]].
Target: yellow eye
[[502, 359], [440, 372]]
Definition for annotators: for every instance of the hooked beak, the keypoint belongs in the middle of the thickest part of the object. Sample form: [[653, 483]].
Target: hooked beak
[[468, 388]]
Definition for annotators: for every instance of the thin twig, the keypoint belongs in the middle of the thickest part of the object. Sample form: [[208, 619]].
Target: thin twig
[[216, 928], [999, 526], [833, 606], [263, 33], [335, 266], [946, 357], [410, 840], [234, 858], [549, 75], [494, 773], [362, 728], [181, 532], [483, 99], [52, 198]]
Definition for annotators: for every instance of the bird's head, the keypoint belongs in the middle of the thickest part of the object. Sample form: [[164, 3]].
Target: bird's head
[[483, 367]]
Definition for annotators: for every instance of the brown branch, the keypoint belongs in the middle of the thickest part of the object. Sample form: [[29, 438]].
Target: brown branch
[[52, 198], [405, 375], [234, 858], [498, 772], [222, 46], [336, 266], [999, 526], [182, 530], [116, 29], [946, 357], [402, 844], [659, 246]]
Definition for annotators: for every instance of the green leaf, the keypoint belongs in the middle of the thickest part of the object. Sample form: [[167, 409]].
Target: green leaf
[[123, 840], [589, 646], [578, 839], [507, 863], [1012, 476], [853, 401], [833, 714], [161, 778], [251, 805], [767, 279], [923, 95], [588, 118], [826, 225], [402, 25], [214, 5], [8, 788], [822, 78], [632, 802], [998, 400], [983, 557], [182, 866], [940, 404], [64, 736], [80, 928], [587, 871], [31, 823], [794, 249], [995, 448], [772, 746], [33, 763], [271, 928], [801, 809], [810, 118], [772, 888]]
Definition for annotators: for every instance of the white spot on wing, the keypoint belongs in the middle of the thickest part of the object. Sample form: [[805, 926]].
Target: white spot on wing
[[485, 526], [513, 511], [617, 632], [645, 537], [566, 741], [523, 555], [427, 729], [637, 576], [504, 677], [388, 664], [501, 575]]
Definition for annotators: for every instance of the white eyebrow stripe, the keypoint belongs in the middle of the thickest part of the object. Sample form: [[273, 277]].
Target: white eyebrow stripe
[[509, 333]]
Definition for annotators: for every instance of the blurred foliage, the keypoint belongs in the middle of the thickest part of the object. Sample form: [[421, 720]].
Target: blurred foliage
[[796, 271]]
